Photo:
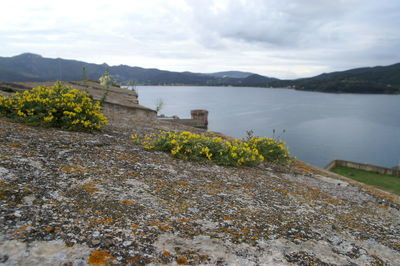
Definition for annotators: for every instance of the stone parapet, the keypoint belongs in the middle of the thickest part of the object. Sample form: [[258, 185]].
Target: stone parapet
[[363, 166]]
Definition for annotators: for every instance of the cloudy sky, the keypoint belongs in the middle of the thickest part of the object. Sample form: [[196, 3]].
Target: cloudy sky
[[278, 38]]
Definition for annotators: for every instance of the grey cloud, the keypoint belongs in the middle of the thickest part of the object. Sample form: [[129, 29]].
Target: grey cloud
[[297, 24], [275, 23], [336, 33], [282, 38]]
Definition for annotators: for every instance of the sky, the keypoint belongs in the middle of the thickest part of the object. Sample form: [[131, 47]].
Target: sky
[[275, 38]]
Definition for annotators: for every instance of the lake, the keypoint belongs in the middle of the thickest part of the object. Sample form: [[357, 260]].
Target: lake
[[319, 127]]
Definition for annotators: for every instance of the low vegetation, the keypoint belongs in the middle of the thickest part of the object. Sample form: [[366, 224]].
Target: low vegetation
[[202, 147], [56, 106], [386, 182]]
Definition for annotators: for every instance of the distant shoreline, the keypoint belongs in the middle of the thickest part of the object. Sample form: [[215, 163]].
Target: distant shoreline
[[331, 92], [31, 67]]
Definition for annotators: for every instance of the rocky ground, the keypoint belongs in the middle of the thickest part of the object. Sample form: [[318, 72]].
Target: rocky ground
[[72, 198]]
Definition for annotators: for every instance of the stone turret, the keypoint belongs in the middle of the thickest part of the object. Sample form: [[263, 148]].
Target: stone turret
[[200, 115]]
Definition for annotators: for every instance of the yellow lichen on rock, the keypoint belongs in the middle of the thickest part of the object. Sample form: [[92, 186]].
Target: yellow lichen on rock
[[100, 257]]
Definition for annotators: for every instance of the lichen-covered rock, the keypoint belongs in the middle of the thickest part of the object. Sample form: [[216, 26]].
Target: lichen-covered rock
[[69, 198], [14, 252]]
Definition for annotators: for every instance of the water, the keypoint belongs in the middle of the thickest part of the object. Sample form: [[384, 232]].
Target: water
[[319, 127]]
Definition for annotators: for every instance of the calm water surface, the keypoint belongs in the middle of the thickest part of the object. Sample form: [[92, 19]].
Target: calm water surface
[[319, 127]]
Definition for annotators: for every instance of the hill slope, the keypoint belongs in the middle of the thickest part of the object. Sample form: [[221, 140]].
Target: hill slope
[[380, 79], [32, 67]]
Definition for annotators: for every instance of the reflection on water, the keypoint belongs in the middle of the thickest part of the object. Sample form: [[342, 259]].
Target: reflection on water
[[319, 127]]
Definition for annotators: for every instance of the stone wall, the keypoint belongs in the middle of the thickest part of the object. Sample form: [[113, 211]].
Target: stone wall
[[363, 166], [199, 119], [121, 115], [192, 123]]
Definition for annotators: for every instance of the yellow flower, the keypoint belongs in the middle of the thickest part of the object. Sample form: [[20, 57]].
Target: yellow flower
[[20, 113], [77, 109], [205, 150], [85, 123], [186, 133], [135, 136], [48, 118], [176, 150], [70, 114], [74, 91]]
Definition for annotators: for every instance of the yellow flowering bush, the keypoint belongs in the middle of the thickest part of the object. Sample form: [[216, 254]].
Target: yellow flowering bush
[[56, 106], [186, 145]]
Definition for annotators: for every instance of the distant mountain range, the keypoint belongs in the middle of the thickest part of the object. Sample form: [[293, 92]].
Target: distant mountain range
[[33, 67], [380, 79]]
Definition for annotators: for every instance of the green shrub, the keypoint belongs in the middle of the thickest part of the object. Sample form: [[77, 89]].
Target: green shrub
[[56, 106], [189, 146]]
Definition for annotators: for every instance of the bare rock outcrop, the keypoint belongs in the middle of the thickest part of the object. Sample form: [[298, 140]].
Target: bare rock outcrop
[[70, 198]]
